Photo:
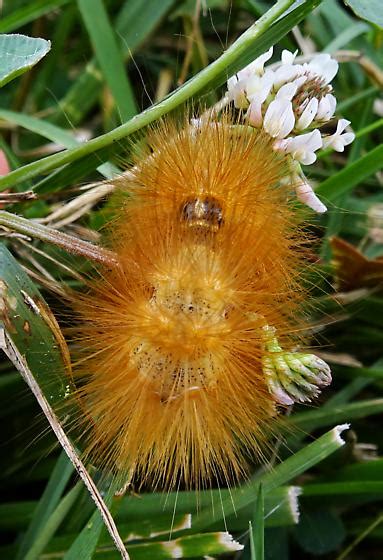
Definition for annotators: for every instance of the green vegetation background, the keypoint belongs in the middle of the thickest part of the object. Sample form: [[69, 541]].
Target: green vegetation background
[[108, 62]]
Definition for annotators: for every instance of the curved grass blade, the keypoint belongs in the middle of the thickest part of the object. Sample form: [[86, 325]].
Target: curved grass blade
[[280, 506], [313, 419], [282, 473], [52, 523], [257, 534], [192, 546]]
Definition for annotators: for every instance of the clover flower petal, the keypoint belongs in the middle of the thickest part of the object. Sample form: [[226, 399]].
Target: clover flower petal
[[326, 108], [256, 66], [323, 66], [288, 57], [279, 119], [338, 141], [302, 148], [306, 195], [308, 114]]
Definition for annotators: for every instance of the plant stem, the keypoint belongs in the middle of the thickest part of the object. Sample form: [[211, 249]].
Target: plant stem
[[63, 240]]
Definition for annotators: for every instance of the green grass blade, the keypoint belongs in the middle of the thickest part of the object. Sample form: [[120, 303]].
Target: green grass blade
[[282, 473], [43, 128], [108, 55], [252, 542], [336, 216], [347, 393], [257, 533], [350, 487], [349, 177], [193, 546], [137, 19], [52, 132], [52, 523], [372, 91], [314, 419], [280, 506], [16, 515], [346, 36], [48, 502], [151, 528], [86, 541], [29, 12], [134, 23]]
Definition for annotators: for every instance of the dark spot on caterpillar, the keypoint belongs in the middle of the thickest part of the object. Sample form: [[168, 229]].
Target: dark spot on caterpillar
[[202, 212]]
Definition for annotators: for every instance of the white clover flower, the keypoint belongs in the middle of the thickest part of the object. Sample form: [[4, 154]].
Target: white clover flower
[[257, 84], [236, 92], [287, 91], [338, 141], [286, 73], [258, 89], [257, 66], [292, 376], [291, 103]]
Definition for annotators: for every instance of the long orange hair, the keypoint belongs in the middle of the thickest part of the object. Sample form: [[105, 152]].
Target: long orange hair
[[209, 252]]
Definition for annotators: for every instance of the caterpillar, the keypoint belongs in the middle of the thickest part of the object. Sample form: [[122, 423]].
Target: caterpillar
[[208, 256], [187, 347]]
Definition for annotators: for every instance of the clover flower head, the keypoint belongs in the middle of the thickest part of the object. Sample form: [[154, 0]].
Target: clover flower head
[[291, 102]]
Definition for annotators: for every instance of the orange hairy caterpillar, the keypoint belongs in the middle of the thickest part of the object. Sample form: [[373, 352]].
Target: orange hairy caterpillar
[[180, 369]]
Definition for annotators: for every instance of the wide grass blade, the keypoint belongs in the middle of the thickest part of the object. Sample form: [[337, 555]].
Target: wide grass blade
[[349, 177], [52, 132]]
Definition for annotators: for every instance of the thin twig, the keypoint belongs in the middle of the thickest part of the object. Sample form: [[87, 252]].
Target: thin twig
[[11, 198]]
